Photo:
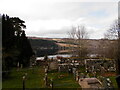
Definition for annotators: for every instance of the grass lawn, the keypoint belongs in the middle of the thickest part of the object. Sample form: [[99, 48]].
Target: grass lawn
[[63, 80], [34, 78]]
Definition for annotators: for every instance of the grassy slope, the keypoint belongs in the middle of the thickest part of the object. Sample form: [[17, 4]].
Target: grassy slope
[[34, 78]]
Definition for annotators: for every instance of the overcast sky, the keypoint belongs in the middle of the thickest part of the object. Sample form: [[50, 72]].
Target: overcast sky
[[54, 18]]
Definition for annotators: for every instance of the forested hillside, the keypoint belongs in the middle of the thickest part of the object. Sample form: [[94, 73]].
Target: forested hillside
[[44, 47]]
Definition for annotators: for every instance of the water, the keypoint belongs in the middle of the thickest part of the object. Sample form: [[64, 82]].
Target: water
[[61, 55], [54, 56]]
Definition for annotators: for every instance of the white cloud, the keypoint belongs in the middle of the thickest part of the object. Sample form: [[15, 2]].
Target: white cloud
[[46, 17]]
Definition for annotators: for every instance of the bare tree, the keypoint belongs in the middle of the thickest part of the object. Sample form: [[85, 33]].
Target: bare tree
[[114, 33], [81, 32], [81, 35], [72, 32], [78, 35], [72, 36]]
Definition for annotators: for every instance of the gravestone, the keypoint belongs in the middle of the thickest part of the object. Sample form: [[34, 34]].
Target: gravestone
[[74, 73], [53, 65], [87, 76], [46, 70], [59, 69], [77, 76], [46, 79], [70, 70], [102, 70]]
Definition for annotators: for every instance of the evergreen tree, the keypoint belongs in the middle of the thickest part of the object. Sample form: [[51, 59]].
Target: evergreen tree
[[15, 45]]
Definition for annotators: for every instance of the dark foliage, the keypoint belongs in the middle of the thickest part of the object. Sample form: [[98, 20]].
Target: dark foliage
[[43, 43], [41, 53], [44, 47], [15, 45]]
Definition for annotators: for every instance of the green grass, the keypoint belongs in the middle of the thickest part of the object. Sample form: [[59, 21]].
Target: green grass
[[34, 78], [112, 78], [63, 80]]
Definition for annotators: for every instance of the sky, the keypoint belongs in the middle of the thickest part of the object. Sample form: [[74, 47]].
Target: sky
[[54, 18]]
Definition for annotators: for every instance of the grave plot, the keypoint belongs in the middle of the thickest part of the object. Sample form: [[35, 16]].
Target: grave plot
[[99, 65]]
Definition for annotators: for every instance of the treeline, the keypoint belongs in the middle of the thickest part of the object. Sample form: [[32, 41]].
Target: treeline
[[44, 47], [16, 47]]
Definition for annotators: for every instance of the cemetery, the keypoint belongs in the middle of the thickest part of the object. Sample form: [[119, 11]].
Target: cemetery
[[65, 73], [102, 70], [100, 65]]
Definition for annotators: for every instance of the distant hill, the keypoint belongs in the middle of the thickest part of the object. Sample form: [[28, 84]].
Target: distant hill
[[50, 42], [43, 47], [94, 46], [43, 44]]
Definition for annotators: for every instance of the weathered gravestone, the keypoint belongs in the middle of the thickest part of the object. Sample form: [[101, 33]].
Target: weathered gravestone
[[59, 68], [74, 73], [77, 76], [53, 65], [46, 69], [102, 70], [46, 79]]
